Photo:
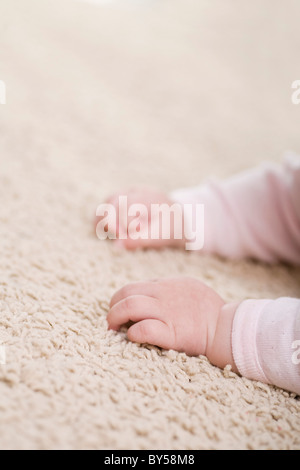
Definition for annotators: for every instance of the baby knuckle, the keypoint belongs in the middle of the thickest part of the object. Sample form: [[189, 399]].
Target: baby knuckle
[[131, 303], [126, 291]]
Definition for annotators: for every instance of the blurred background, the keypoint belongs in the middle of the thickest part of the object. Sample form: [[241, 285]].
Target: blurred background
[[159, 92]]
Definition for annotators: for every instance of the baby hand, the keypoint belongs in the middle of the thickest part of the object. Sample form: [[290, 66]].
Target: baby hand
[[148, 198], [178, 313]]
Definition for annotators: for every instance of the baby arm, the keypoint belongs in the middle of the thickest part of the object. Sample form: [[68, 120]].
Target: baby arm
[[260, 339], [253, 214]]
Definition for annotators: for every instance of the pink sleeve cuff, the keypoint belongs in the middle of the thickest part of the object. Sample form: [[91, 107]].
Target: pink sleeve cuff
[[266, 341], [244, 333]]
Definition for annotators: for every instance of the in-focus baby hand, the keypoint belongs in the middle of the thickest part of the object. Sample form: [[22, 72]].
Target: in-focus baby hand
[[175, 313]]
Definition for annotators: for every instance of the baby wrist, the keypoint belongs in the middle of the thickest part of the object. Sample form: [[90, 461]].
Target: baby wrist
[[221, 352]]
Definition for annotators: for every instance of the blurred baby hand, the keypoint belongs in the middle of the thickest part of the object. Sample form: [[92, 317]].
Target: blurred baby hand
[[136, 221]]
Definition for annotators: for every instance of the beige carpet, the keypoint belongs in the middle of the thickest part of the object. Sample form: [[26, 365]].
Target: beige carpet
[[166, 93]]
